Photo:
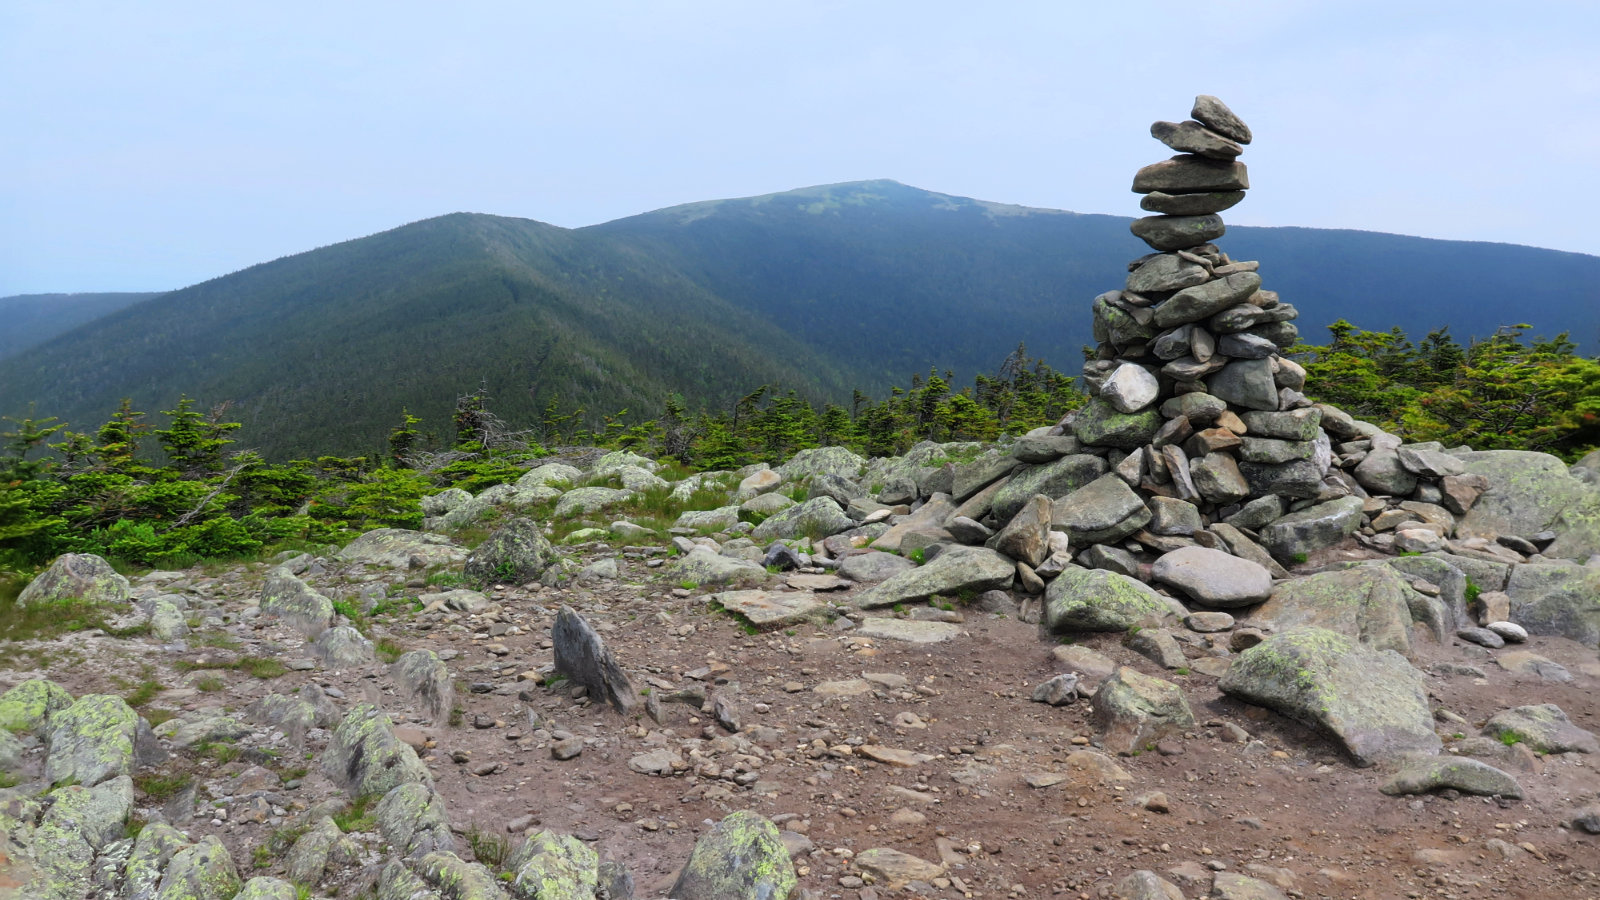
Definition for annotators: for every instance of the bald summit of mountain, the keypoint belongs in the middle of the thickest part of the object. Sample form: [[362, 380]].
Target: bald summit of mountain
[[824, 290]]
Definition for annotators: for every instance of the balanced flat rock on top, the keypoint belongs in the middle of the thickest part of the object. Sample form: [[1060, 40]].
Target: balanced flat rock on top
[[1215, 115], [1192, 137], [1213, 578]]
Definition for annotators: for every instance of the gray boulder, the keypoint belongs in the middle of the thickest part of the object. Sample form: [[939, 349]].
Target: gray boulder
[[585, 500], [27, 708], [1098, 600], [1543, 729], [873, 566], [1372, 701], [1556, 599], [412, 818], [1246, 383], [1027, 536], [1098, 424], [1532, 492], [1368, 604], [292, 601], [1294, 537], [1420, 774], [1213, 578], [1103, 511], [399, 548], [1204, 300], [364, 756], [93, 740], [816, 518], [720, 519], [263, 887], [343, 647], [559, 475], [551, 864], [740, 858], [582, 656], [839, 461], [424, 679], [704, 567], [1133, 711], [957, 570], [201, 871], [291, 715], [617, 460], [75, 577], [443, 502], [1053, 479], [517, 552]]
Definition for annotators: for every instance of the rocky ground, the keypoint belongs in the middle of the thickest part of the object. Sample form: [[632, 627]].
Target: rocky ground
[[897, 747]]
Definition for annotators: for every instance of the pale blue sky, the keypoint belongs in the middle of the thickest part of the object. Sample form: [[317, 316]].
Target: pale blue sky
[[153, 145]]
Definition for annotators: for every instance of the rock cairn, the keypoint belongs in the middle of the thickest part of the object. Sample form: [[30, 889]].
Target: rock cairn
[[1188, 379]]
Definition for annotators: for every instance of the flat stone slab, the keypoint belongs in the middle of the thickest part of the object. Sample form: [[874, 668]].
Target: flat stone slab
[[764, 608], [908, 630], [893, 756], [1212, 577], [850, 688], [819, 583]]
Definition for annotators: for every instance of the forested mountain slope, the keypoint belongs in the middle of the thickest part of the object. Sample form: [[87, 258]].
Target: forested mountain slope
[[824, 290]]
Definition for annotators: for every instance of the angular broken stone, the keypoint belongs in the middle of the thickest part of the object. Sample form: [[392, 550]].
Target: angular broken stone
[[1193, 137], [1215, 115], [582, 656]]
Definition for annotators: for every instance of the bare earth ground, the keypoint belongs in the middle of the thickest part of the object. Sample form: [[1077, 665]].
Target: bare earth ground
[[1274, 800]]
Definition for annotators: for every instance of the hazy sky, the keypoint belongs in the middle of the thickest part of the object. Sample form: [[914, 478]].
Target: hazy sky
[[147, 146]]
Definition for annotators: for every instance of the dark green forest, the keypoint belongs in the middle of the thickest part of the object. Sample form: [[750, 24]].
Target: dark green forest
[[32, 319], [180, 489], [825, 291]]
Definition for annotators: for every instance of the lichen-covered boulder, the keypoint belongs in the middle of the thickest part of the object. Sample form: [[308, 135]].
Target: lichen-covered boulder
[[26, 708], [201, 727], [1099, 424], [1368, 603], [75, 577], [1373, 702], [343, 647], [1103, 511], [365, 758], [291, 715], [443, 502], [424, 679], [817, 518], [584, 500], [1544, 728], [957, 570], [1556, 599], [720, 519], [1098, 600], [412, 818], [839, 461], [552, 865], [1133, 711], [457, 879], [201, 871], [516, 553], [287, 598], [264, 888], [400, 548], [308, 856], [1531, 492], [1294, 537], [1057, 478], [740, 858], [703, 567], [617, 460], [92, 741], [1026, 537], [156, 845], [1420, 774], [558, 475]]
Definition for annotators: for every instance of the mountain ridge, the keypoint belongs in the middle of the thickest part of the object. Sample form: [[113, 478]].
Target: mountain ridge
[[824, 290]]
